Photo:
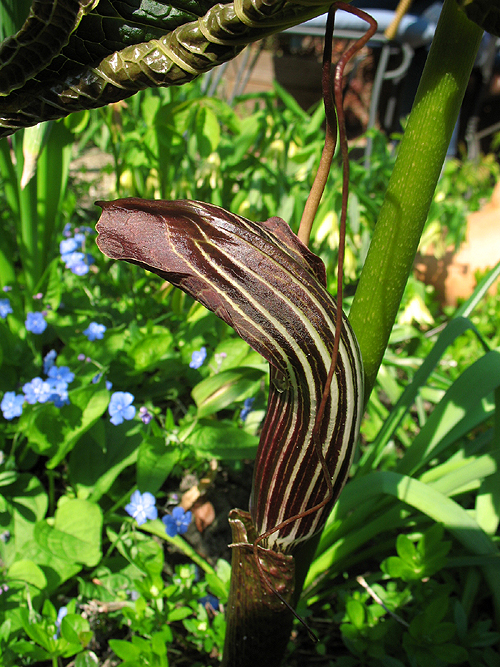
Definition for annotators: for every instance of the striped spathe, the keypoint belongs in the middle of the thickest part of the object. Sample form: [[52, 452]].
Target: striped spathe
[[262, 281]]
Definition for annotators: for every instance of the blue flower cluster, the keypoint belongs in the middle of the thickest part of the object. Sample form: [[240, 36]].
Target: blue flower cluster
[[142, 507], [54, 389], [71, 249]]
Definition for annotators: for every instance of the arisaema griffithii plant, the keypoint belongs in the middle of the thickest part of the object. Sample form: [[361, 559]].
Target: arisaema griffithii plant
[[260, 278]]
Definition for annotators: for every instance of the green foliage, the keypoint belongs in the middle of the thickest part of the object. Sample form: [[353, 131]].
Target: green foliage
[[429, 451]]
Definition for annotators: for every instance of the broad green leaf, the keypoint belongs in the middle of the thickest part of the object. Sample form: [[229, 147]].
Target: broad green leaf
[[87, 659], [156, 459], [124, 650], [55, 431], [56, 569], [221, 440], [76, 630], [152, 348], [28, 571], [100, 456], [179, 613], [406, 549], [356, 613], [76, 534], [84, 42], [225, 388], [25, 503]]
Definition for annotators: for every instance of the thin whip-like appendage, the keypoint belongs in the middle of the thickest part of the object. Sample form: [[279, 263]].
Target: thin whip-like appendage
[[328, 152], [305, 227]]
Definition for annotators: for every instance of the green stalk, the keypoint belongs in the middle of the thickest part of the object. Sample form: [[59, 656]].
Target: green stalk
[[412, 184], [28, 221], [9, 178], [409, 195], [52, 178]]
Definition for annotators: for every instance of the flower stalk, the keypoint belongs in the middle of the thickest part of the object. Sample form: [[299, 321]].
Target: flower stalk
[[412, 184]]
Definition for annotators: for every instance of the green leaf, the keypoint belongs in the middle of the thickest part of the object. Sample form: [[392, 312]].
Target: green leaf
[[225, 388], [8, 477], [35, 631], [207, 130], [356, 613], [87, 659], [427, 500], [124, 650], [452, 331], [451, 654], [221, 440], [179, 613], [462, 408], [154, 347], [480, 291], [100, 456], [26, 503], [76, 534], [406, 549], [55, 431], [27, 570], [76, 630], [28, 650], [217, 587], [156, 459], [397, 568]]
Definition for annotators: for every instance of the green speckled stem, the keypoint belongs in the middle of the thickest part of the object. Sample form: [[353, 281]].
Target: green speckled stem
[[412, 184]]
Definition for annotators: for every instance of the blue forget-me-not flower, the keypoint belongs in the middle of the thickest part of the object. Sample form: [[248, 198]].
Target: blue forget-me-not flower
[[95, 331], [142, 507], [60, 615], [178, 522], [120, 407], [37, 391], [35, 322], [59, 393], [247, 408], [198, 357], [5, 308], [12, 405], [49, 360], [61, 373]]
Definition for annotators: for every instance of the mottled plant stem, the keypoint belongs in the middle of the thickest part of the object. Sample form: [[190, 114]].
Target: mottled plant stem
[[258, 622], [412, 184]]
